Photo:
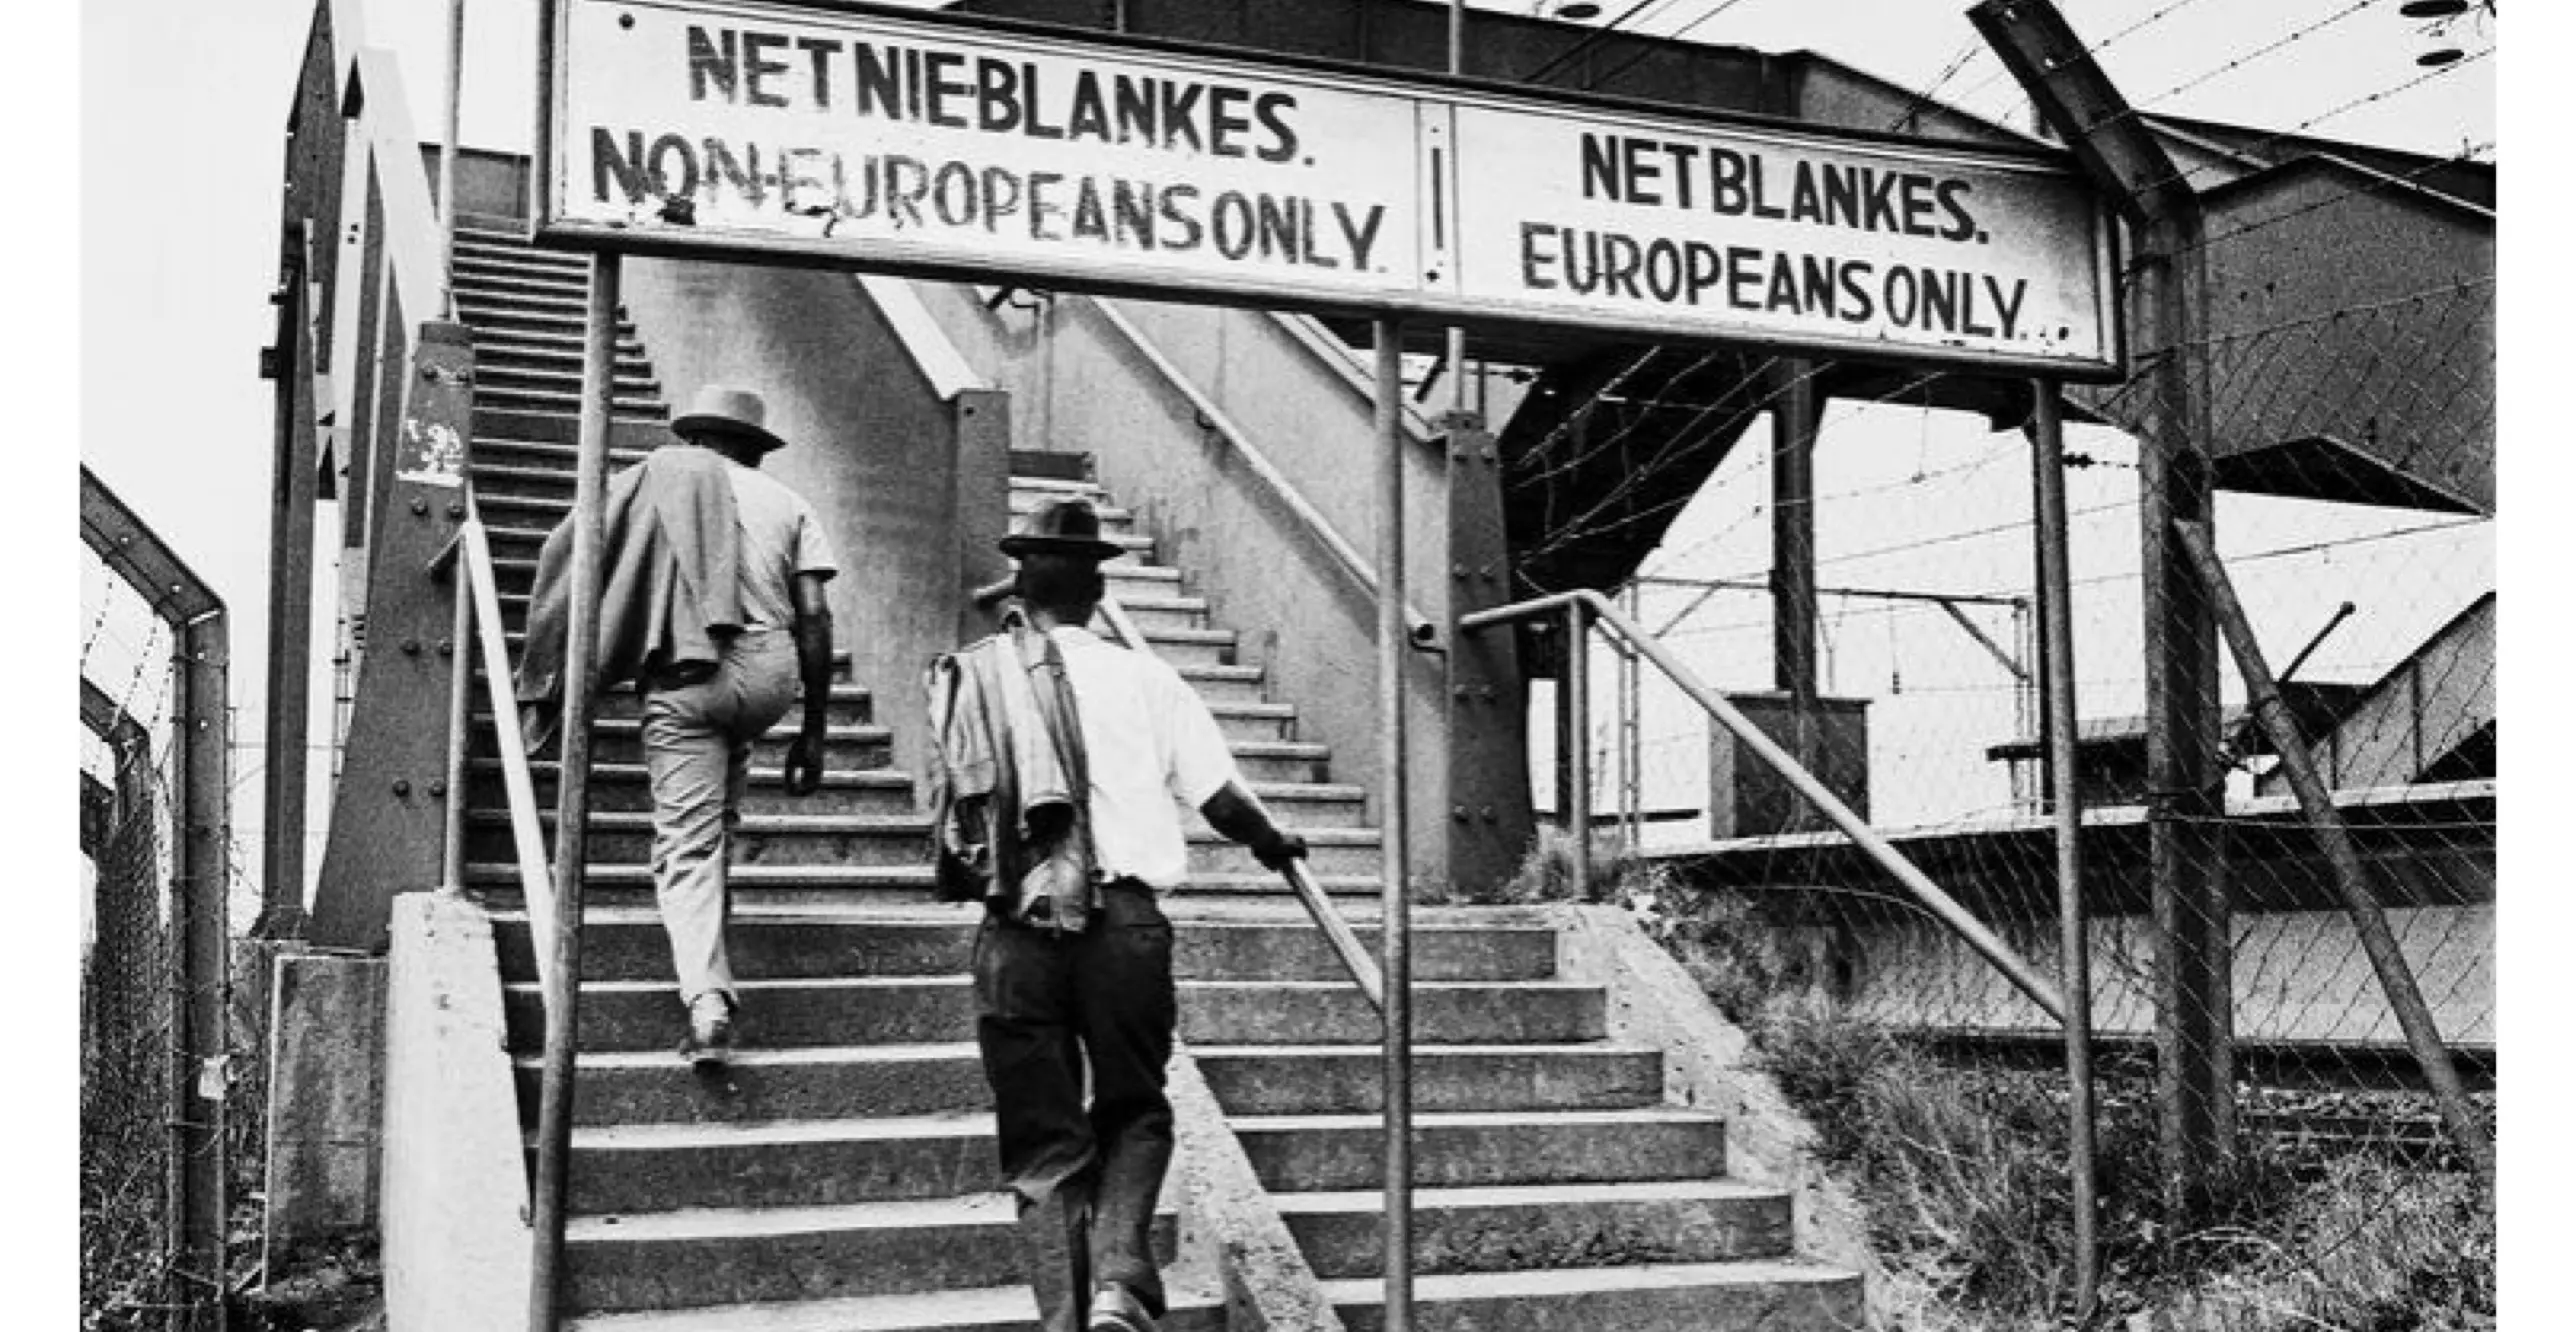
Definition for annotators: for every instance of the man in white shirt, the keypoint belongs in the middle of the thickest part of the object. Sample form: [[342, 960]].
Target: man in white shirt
[[1052, 1002]]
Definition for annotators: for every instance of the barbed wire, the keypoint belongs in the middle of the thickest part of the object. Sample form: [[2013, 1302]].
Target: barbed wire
[[1625, 18], [2251, 148]]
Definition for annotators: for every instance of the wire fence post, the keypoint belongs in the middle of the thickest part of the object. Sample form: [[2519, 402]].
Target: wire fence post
[[2417, 1023], [155, 1018], [2183, 772]]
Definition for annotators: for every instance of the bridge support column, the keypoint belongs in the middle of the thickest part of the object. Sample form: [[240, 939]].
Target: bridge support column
[[1489, 825], [386, 829], [1795, 614]]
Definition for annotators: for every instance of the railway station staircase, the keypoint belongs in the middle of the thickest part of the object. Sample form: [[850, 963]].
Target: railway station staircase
[[846, 1179]]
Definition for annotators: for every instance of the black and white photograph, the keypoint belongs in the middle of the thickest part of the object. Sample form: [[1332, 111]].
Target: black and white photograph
[[1315, 666]]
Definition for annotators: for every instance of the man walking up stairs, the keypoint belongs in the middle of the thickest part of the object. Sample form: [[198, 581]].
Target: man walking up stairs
[[707, 562]]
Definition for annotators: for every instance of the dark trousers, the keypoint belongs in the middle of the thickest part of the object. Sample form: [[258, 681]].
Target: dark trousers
[[1085, 1181]]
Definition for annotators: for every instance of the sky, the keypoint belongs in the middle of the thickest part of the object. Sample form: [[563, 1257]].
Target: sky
[[151, 294]]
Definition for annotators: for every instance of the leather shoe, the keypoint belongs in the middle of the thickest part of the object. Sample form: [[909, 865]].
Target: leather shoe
[[706, 1037], [1115, 1309]]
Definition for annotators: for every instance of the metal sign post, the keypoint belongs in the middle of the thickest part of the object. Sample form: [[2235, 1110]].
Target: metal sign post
[[1396, 1020], [2062, 745]]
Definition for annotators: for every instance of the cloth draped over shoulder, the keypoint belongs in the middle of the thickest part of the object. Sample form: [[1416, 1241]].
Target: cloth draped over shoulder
[[1007, 781], [670, 590]]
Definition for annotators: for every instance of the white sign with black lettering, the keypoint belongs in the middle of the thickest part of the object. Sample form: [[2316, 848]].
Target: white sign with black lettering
[[902, 140], [946, 146], [1661, 226]]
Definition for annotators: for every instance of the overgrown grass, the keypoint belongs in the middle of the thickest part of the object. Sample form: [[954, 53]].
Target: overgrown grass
[[1965, 1170]]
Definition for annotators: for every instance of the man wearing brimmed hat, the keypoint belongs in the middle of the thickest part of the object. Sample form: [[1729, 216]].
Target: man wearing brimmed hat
[[714, 603], [1063, 988]]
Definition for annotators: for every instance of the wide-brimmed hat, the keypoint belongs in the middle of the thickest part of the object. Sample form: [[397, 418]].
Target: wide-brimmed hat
[[723, 409], [1060, 527]]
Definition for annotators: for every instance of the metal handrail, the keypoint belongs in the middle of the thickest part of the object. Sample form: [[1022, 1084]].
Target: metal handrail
[[1419, 631], [1336, 929], [476, 604], [2041, 990]]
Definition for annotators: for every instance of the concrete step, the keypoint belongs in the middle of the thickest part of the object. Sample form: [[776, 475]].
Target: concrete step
[[624, 788], [1046, 486], [628, 1168], [820, 840], [802, 887], [512, 244], [1185, 647], [524, 352], [720, 1256], [1115, 520], [1332, 853], [499, 482], [1329, 1153], [1261, 761], [1317, 1080], [481, 273], [1156, 612], [1306, 805], [628, 943], [1761, 1296], [760, 839], [1503, 1229], [1213, 682], [550, 302], [1199, 1308], [634, 407], [1335, 1012], [812, 1082], [806, 1082], [866, 1010], [484, 289], [617, 741], [623, 943], [773, 1014], [545, 378], [553, 427]]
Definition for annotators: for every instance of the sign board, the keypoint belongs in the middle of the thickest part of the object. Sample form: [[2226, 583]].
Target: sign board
[[961, 148]]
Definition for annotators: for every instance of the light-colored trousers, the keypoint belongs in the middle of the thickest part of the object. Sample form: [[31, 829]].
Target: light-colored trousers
[[697, 738]]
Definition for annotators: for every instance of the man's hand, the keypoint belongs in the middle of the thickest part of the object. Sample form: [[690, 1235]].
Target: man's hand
[[807, 761], [813, 640], [1275, 849], [1240, 818]]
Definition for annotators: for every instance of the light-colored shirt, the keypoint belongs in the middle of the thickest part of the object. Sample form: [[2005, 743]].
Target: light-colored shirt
[[778, 539], [1148, 742]]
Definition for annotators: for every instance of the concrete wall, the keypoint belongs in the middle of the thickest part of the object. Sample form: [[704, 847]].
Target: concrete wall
[[457, 1249], [324, 1051], [874, 447]]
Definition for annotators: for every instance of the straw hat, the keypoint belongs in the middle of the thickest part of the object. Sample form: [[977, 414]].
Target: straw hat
[[724, 409]]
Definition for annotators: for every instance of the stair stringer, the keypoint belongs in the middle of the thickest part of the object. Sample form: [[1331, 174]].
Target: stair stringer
[[1707, 1065]]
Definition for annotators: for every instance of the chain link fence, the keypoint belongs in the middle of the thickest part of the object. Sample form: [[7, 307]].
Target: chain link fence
[[156, 1068]]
